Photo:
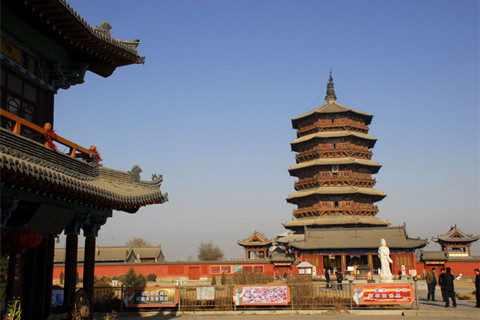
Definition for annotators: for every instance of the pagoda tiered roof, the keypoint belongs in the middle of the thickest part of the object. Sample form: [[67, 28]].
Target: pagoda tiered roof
[[336, 190], [334, 134], [332, 107], [375, 166], [336, 220]]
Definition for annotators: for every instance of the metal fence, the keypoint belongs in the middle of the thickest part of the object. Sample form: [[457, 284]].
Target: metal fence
[[302, 296]]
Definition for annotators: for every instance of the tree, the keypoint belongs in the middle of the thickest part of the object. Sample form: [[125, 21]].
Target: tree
[[137, 243], [133, 280], [209, 252]]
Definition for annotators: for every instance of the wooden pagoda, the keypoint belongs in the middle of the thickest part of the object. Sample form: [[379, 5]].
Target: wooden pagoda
[[335, 221], [46, 46]]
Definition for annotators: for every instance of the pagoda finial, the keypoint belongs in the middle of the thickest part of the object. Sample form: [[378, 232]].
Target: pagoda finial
[[330, 97]]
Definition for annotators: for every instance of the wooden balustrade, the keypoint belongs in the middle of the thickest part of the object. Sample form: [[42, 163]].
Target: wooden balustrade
[[74, 149], [347, 124]]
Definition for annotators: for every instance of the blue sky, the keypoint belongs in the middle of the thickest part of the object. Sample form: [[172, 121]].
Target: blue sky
[[211, 110]]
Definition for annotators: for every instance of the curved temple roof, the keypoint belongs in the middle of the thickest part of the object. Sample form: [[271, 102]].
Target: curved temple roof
[[28, 164], [353, 238], [57, 20]]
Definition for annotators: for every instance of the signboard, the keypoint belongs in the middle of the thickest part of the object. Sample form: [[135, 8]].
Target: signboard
[[261, 295], [151, 297], [205, 293], [383, 293]]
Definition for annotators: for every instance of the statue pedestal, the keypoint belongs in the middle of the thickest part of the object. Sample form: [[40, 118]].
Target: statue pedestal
[[386, 278]]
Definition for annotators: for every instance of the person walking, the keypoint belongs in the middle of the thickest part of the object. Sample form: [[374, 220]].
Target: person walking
[[449, 288], [477, 287], [441, 282], [339, 280], [327, 277], [431, 284]]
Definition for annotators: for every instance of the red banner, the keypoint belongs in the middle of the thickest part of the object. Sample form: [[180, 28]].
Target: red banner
[[383, 293]]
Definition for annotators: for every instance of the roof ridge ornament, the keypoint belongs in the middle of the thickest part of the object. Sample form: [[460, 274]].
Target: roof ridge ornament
[[330, 97]]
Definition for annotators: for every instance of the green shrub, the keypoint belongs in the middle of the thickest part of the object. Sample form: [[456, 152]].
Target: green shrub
[[151, 277]]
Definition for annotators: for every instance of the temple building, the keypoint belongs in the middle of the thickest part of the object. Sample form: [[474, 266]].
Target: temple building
[[455, 252], [334, 225], [47, 46]]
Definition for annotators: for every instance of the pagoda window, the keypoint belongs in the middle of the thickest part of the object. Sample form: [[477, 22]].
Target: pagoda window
[[336, 204]]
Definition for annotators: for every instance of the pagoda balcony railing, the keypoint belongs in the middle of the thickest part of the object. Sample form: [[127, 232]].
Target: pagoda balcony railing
[[346, 125], [334, 182], [317, 153], [317, 211], [75, 150]]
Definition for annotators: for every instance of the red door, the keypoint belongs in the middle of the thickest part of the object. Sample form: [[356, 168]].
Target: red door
[[194, 273]]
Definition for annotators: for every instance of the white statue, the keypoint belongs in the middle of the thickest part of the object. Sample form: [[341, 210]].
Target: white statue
[[385, 260]]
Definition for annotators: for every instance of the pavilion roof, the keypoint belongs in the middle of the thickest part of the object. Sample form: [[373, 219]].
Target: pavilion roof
[[357, 238], [330, 161], [325, 221], [257, 239], [57, 20], [335, 190], [28, 164], [455, 235], [331, 107]]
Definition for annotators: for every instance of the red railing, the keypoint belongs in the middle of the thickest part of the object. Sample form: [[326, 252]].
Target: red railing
[[74, 149]]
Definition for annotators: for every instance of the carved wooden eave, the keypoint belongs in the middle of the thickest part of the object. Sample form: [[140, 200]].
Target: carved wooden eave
[[29, 165], [93, 46], [370, 192]]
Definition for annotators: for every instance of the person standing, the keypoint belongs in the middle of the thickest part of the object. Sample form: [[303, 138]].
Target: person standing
[[327, 277], [477, 287], [449, 288], [339, 280], [441, 282], [431, 284]]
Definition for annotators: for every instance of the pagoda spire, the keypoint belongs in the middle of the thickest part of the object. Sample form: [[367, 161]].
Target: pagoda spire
[[330, 97]]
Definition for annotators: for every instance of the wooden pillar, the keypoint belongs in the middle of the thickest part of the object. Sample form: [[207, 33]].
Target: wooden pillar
[[35, 288], [90, 231], [50, 253], [344, 263], [70, 269], [89, 269]]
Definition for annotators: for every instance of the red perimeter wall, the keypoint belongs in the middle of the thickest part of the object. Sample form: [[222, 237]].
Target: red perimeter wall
[[193, 271]]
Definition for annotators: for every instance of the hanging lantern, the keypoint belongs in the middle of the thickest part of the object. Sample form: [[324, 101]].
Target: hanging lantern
[[23, 238]]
